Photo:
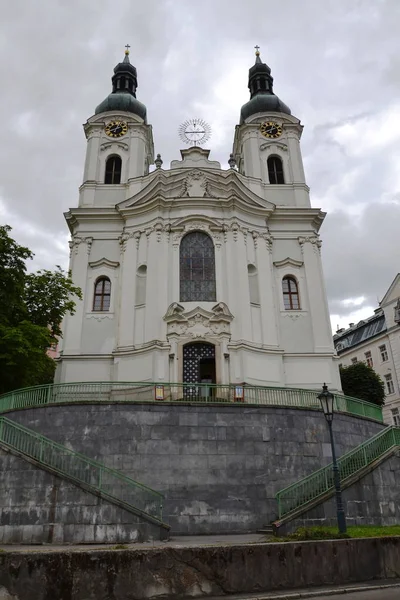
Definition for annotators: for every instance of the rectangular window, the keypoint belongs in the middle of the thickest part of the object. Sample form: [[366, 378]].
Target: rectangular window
[[368, 359], [396, 417], [354, 360], [384, 354], [389, 384]]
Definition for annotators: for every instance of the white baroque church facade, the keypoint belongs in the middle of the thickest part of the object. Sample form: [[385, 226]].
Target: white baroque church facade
[[196, 273]]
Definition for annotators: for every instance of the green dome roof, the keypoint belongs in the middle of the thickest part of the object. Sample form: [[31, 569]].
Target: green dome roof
[[263, 103], [122, 101], [262, 97], [123, 95]]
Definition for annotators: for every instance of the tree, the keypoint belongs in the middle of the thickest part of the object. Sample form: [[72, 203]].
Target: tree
[[360, 381], [32, 307]]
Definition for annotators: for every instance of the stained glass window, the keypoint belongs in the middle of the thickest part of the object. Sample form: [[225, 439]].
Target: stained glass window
[[197, 268], [102, 294], [290, 293]]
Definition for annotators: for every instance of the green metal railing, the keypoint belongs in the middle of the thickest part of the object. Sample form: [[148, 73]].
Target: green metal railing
[[113, 485], [320, 482], [180, 392]]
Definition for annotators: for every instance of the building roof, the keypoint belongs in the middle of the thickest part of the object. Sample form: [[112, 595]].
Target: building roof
[[123, 95], [262, 97], [359, 333]]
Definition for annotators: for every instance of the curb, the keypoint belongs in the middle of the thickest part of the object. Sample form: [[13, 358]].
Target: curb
[[319, 593]]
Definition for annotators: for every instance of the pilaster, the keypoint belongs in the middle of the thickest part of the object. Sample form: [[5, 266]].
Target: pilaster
[[269, 316], [311, 250], [80, 251], [129, 247]]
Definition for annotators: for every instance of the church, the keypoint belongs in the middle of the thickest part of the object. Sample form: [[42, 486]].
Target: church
[[196, 273]]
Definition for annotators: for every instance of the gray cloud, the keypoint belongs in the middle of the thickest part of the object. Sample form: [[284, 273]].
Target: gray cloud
[[334, 62]]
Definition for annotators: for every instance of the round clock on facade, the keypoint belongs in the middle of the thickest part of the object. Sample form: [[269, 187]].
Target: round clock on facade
[[270, 129], [195, 132], [116, 128]]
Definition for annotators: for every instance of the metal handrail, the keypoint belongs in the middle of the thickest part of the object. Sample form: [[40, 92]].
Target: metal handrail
[[144, 391], [320, 482], [111, 483]]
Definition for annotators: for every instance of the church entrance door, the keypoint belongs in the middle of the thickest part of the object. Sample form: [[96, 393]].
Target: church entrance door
[[199, 367]]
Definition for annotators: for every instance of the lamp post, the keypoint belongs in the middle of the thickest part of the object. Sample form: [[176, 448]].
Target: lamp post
[[326, 398]]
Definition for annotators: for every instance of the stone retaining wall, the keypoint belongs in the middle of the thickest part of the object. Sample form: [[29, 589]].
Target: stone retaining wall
[[218, 466], [195, 571], [37, 507], [373, 500]]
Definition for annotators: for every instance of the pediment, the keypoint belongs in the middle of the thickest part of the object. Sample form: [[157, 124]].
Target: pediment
[[288, 262], [104, 262], [393, 292], [184, 185]]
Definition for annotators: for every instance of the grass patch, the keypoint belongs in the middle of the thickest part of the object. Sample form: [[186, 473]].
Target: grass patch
[[331, 533], [119, 547]]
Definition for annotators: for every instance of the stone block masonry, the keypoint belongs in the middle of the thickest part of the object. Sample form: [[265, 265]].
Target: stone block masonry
[[195, 572], [37, 507], [373, 500], [219, 467]]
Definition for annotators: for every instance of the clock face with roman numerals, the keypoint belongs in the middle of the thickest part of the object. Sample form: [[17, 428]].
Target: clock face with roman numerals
[[270, 129], [116, 128]]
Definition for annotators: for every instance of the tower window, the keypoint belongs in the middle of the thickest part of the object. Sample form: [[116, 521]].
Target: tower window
[[275, 170], [113, 170], [197, 268], [290, 293], [102, 294]]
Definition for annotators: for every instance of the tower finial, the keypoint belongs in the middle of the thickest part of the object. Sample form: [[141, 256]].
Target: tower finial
[[258, 59], [127, 46]]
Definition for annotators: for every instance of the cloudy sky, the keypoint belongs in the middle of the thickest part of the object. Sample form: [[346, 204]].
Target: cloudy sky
[[336, 63]]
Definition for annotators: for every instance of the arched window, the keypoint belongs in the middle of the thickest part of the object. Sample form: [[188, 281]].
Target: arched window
[[102, 294], [113, 169], [275, 170], [197, 268], [290, 293]]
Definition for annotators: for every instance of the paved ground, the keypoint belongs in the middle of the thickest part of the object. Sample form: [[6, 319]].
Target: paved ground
[[175, 542], [386, 590], [385, 594]]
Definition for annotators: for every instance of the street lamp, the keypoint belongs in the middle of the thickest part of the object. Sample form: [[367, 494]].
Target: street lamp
[[327, 398]]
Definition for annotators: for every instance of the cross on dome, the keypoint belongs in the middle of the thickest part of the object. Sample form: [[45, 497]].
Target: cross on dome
[[127, 46]]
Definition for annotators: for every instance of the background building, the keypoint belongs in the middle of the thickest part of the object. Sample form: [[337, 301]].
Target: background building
[[376, 341]]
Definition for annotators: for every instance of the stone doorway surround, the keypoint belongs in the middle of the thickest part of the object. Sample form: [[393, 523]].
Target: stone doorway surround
[[198, 325]]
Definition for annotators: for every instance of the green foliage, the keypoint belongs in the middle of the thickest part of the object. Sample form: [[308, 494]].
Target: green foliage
[[32, 307], [315, 533], [331, 533], [48, 297], [360, 381]]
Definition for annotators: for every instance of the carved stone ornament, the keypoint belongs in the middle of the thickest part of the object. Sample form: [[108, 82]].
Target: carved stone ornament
[[294, 316], [77, 241], [212, 229], [312, 239], [195, 185], [198, 323], [274, 146]]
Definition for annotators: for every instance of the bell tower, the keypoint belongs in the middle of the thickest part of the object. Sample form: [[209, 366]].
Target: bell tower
[[267, 142], [119, 142]]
